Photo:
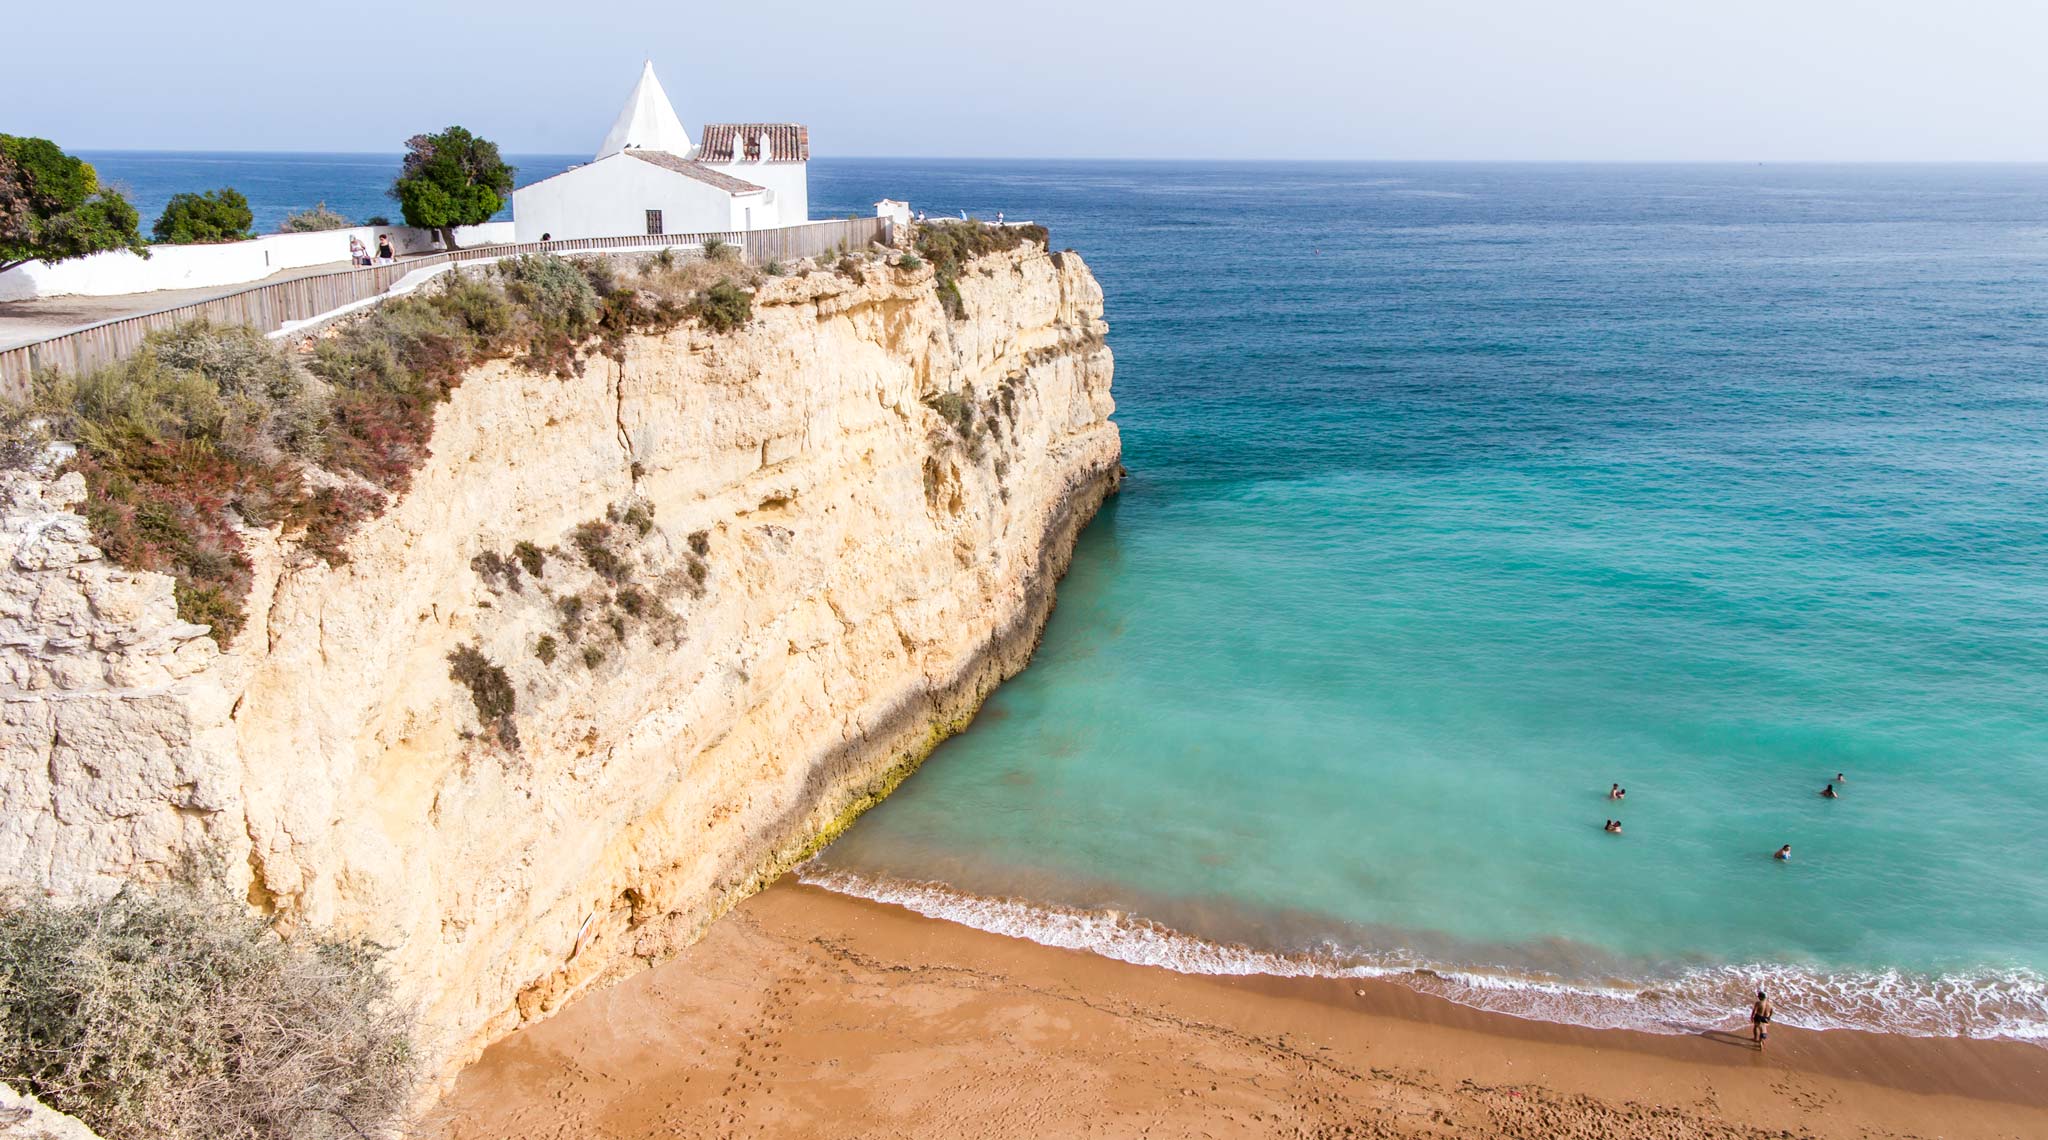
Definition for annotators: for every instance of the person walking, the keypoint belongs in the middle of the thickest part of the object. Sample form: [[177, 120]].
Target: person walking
[[1760, 1020], [385, 253], [358, 253]]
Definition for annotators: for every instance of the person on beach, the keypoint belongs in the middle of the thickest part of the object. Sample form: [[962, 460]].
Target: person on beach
[[1784, 854], [1828, 793], [1760, 1019], [385, 253]]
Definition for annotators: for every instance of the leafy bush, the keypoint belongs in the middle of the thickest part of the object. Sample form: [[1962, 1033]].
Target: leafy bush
[[592, 656], [376, 220], [497, 571], [176, 1014], [956, 409], [717, 250], [490, 690], [949, 297], [545, 649], [774, 269], [217, 215], [909, 261], [723, 307], [532, 557], [560, 306], [313, 221], [593, 541]]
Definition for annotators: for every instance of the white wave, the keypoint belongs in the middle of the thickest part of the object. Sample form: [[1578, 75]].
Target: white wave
[[2010, 1004]]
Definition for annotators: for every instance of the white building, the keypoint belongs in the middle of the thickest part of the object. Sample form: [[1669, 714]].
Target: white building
[[649, 178]]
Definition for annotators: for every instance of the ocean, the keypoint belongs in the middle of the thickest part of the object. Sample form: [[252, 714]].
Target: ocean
[[1458, 493]]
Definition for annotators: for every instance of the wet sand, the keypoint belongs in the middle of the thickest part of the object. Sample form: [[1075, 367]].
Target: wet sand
[[805, 1013]]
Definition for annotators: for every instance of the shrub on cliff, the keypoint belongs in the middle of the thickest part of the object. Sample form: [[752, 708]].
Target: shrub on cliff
[[490, 690], [215, 216], [723, 307], [949, 246], [174, 1014]]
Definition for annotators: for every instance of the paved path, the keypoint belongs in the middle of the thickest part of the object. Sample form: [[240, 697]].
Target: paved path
[[24, 321]]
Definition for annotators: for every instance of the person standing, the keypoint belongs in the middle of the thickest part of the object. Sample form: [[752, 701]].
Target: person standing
[[1760, 1019], [385, 253], [358, 253]]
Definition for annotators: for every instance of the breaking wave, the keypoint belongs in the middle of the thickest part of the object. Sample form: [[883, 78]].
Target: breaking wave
[[2010, 1004]]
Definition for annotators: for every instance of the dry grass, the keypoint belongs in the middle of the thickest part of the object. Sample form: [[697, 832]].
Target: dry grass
[[174, 1014]]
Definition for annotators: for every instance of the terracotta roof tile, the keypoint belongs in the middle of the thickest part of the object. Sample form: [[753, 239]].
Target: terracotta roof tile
[[788, 142], [690, 168]]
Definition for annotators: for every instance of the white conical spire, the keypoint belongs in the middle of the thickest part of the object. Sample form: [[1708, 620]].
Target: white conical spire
[[647, 122]]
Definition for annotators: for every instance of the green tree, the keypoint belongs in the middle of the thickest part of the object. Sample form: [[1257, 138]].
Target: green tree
[[217, 215], [451, 179], [53, 208]]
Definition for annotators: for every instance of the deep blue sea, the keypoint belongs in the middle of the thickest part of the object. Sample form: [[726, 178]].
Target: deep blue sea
[[1458, 493]]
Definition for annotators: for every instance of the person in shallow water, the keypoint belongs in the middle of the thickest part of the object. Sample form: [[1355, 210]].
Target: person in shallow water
[[1616, 791], [1614, 825], [1828, 793], [1784, 853], [1760, 1019]]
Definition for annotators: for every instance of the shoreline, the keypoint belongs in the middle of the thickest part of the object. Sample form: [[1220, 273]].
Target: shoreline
[[806, 1011]]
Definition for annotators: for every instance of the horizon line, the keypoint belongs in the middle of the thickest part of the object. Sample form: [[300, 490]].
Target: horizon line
[[1218, 160]]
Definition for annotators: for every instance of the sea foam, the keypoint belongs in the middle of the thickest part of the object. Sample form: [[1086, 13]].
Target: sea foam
[[2010, 1004]]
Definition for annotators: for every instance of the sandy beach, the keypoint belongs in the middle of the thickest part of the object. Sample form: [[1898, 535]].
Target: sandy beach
[[805, 1013]]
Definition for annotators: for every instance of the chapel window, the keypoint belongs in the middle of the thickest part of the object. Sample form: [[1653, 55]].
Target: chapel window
[[654, 221]]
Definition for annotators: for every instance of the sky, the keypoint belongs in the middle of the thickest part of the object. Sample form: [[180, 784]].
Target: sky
[[1562, 80]]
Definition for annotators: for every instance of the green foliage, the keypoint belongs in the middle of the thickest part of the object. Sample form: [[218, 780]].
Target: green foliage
[[451, 179], [315, 220], [716, 249], [532, 557], [592, 656], [561, 308], [639, 515], [376, 220], [498, 571], [545, 649], [723, 307], [950, 246], [176, 1014], [593, 541], [774, 269], [956, 409], [53, 208], [909, 261], [490, 690], [215, 216]]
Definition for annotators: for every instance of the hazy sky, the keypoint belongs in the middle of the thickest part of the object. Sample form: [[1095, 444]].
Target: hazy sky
[[1415, 79]]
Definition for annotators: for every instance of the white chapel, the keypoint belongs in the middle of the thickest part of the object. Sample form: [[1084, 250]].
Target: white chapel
[[649, 178]]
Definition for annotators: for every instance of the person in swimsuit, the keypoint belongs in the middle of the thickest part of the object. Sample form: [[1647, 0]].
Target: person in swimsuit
[[1828, 793], [1760, 1019], [1784, 853], [1841, 779], [1614, 792], [1614, 825]]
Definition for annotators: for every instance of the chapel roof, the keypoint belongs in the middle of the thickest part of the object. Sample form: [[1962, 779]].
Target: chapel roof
[[787, 142], [697, 170], [647, 121]]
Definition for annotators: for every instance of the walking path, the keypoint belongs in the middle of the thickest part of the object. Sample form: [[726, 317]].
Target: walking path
[[42, 317]]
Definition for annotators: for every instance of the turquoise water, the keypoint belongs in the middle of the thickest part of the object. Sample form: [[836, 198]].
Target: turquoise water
[[1458, 494]]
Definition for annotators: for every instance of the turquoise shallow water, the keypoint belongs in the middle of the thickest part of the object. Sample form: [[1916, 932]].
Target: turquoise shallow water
[[1458, 493]]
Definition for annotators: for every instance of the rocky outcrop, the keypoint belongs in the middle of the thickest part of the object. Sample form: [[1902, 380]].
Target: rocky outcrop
[[24, 1117], [776, 566]]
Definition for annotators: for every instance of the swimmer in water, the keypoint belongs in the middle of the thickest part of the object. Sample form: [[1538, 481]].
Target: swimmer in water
[[1829, 793], [1841, 779], [1784, 853], [1614, 825], [1614, 792]]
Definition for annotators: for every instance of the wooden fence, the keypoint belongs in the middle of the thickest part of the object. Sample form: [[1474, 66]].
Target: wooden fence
[[267, 308]]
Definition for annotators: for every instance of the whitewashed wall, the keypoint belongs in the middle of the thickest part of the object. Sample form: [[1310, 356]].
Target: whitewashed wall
[[788, 182], [208, 266], [611, 197]]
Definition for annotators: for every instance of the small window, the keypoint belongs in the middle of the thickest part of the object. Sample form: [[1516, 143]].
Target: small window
[[654, 221]]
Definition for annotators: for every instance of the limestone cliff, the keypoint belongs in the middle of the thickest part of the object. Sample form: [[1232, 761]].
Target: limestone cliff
[[776, 566]]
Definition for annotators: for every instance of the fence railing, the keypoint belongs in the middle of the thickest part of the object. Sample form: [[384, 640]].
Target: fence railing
[[270, 307]]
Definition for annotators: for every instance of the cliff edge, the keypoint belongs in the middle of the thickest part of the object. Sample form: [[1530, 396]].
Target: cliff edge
[[632, 642]]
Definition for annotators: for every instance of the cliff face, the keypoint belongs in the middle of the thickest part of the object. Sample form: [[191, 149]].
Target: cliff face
[[776, 566]]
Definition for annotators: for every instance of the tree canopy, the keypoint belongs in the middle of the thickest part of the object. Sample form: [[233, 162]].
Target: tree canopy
[[451, 179], [217, 215], [53, 208]]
